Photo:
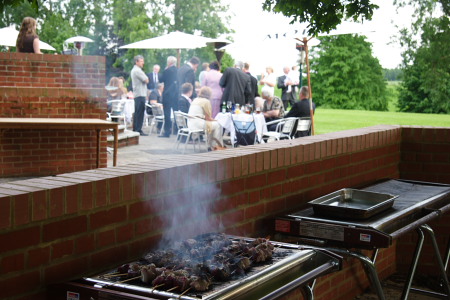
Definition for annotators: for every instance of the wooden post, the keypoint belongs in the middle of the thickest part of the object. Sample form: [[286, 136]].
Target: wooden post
[[305, 42]]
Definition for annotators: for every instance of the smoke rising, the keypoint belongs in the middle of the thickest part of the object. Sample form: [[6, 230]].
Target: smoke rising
[[190, 214]]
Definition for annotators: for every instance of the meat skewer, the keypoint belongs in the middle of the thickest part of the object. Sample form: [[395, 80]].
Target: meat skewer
[[171, 289], [126, 280], [187, 290], [114, 275], [157, 286], [194, 263]]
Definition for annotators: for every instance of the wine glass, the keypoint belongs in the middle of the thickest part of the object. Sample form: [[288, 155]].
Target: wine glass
[[229, 105]]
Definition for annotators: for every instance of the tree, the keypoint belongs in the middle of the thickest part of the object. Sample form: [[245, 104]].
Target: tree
[[346, 75], [392, 74], [112, 24], [426, 64], [14, 3], [322, 16]]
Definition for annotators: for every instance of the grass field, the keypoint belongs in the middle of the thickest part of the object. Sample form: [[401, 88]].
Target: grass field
[[331, 120]]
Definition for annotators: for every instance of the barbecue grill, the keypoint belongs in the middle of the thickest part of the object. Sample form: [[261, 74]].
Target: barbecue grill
[[414, 205], [289, 268]]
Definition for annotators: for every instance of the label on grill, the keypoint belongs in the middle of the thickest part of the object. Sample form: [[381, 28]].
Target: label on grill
[[324, 231], [73, 296], [364, 237]]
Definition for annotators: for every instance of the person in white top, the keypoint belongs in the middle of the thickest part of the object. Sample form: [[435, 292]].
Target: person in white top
[[268, 80]]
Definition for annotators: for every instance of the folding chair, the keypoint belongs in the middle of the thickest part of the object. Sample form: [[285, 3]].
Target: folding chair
[[158, 117], [285, 130], [245, 131], [181, 120], [303, 127]]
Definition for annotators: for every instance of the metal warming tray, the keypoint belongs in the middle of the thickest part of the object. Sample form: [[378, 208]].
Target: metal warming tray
[[352, 204]]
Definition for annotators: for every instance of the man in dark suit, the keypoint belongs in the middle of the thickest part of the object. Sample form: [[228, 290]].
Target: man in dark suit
[[236, 85], [170, 93], [186, 73], [253, 84], [287, 86], [153, 78], [184, 102], [302, 109]]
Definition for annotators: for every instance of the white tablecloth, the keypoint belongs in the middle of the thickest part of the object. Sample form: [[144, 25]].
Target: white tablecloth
[[128, 110], [224, 119]]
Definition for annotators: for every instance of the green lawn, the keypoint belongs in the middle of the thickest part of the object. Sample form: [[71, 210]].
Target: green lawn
[[331, 120]]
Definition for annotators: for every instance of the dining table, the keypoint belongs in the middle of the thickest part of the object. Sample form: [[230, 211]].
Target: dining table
[[226, 121]]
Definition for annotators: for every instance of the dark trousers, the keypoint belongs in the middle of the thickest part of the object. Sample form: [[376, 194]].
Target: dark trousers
[[168, 105], [288, 98], [138, 118]]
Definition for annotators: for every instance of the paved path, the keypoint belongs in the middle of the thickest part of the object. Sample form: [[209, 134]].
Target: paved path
[[151, 148]]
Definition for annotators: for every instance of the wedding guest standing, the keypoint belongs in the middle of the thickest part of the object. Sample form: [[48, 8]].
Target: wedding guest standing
[[139, 81], [28, 40], [170, 94], [212, 80]]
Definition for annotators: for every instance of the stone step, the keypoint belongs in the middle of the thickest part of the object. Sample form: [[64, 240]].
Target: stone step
[[126, 138]]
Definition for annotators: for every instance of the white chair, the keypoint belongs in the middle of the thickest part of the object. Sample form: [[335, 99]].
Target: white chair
[[117, 113], [148, 118], [158, 117], [181, 120], [285, 130], [303, 127]]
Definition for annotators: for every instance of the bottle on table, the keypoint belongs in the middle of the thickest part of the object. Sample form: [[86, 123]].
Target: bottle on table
[[224, 107]]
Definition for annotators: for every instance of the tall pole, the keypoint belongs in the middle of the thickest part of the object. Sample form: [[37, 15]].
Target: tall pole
[[311, 111]]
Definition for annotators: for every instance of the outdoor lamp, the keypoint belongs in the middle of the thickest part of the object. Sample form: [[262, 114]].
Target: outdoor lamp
[[78, 42]]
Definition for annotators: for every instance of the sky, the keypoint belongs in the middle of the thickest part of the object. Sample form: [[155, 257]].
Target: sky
[[252, 26]]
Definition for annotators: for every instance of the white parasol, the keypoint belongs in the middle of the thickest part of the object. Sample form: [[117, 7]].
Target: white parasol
[[8, 37], [173, 40]]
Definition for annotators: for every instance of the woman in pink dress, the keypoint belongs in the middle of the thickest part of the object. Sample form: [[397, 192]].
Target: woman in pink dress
[[211, 79]]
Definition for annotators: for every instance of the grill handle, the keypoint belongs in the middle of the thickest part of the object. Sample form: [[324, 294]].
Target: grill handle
[[433, 213], [304, 279]]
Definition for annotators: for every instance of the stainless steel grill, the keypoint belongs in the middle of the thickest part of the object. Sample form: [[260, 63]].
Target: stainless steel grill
[[416, 204], [289, 268]]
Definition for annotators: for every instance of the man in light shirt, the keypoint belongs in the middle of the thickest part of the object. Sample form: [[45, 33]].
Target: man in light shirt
[[139, 81]]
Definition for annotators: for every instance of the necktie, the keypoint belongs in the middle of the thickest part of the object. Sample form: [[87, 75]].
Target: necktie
[[155, 78]]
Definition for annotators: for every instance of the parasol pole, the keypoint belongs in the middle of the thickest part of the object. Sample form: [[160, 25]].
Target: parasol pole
[[311, 111], [178, 57]]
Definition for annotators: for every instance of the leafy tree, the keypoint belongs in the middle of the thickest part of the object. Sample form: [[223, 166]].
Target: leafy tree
[[392, 74], [15, 3], [426, 83], [322, 16], [345, 74], [112, 24]]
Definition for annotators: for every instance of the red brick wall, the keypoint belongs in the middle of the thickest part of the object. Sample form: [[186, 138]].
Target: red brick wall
[[426, 157], [52, 71], [50, 86], [55, 229]]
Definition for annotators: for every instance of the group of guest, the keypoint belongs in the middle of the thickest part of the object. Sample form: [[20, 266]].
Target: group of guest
[[174, 90]]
